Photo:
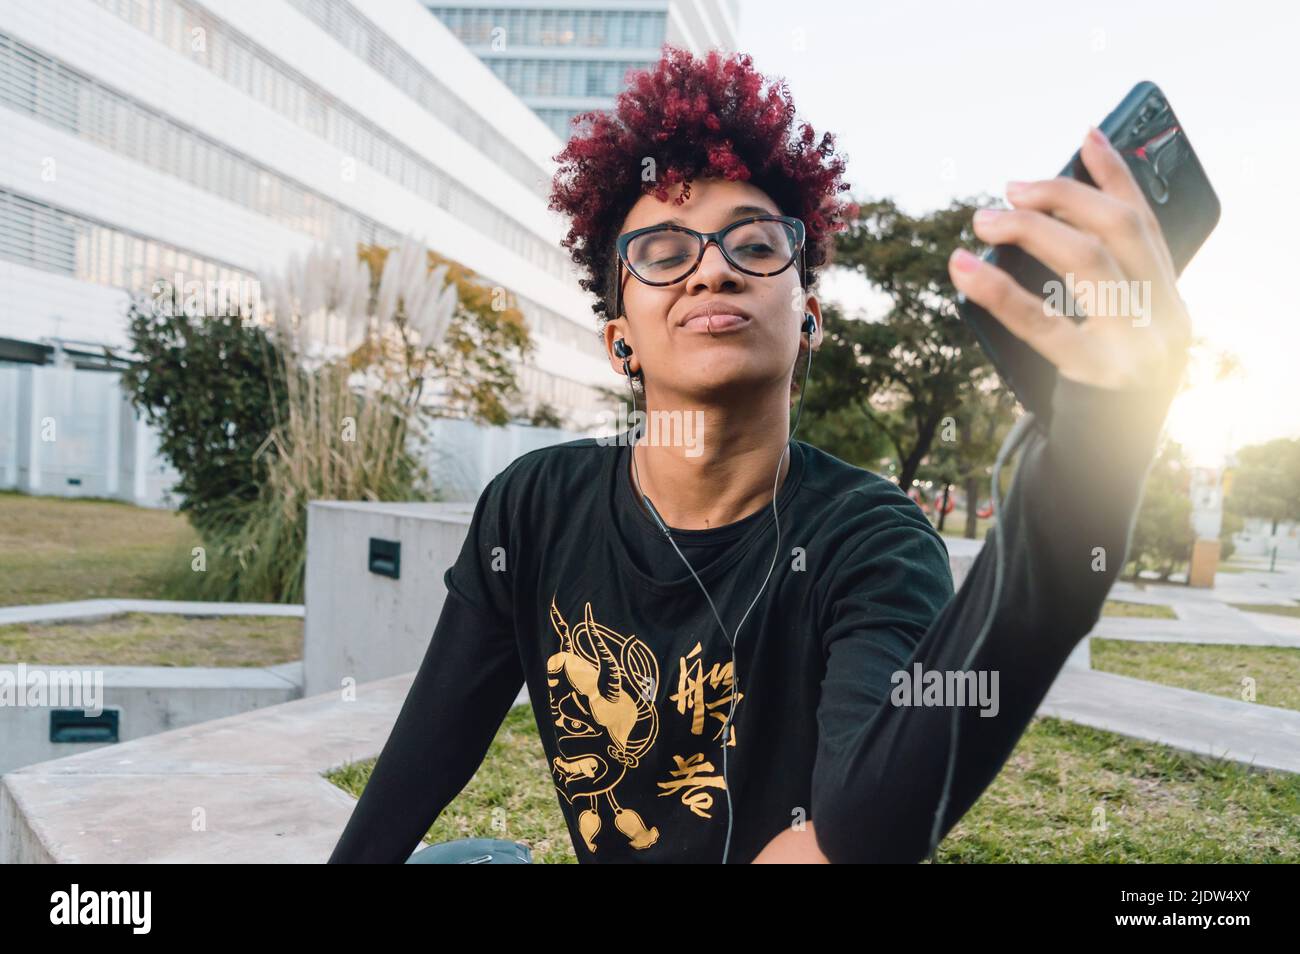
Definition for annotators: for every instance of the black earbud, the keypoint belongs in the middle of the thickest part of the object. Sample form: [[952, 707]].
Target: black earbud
[[624, 351]]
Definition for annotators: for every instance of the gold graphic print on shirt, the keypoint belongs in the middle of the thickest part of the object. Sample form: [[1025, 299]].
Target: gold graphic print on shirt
[[694, 775], [601, 686], [692, 685]]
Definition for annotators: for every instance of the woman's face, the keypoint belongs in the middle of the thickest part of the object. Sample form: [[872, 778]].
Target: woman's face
[[686, 364]]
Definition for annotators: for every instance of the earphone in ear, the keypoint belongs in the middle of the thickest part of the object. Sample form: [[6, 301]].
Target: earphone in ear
[[624, 351], [809, 324]]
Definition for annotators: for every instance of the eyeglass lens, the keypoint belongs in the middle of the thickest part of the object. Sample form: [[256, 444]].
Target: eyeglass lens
[[760, 248]]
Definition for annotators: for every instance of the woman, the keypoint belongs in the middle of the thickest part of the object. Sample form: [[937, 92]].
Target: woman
[[720, 627]]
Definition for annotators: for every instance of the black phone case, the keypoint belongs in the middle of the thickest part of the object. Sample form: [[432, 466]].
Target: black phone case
[[1147, 134]]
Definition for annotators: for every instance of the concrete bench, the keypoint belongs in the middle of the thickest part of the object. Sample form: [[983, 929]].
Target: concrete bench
[[246, 788]]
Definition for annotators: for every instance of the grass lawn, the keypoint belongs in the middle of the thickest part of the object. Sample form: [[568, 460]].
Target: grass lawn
[[954, 525], [1246, 565], [1142, 583], [56, 549], [1158, 805], [1218, 670], [1136, 610], [146, 639], [1276, 609]]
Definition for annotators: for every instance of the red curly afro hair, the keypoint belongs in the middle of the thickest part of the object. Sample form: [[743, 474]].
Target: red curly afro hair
[[695, 118]]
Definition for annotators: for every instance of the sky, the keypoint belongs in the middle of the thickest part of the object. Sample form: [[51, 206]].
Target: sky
[[936, 100]]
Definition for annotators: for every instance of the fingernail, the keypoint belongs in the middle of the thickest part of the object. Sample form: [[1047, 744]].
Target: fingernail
[[1016, 188], [985, 216], [1097, 136], [964, 260]]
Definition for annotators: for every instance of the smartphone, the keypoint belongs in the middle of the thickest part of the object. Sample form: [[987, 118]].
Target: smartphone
[[1152, 141]]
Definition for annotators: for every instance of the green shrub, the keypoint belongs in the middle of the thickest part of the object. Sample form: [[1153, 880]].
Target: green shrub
[[255, 435], [206, 384], [329, 442]]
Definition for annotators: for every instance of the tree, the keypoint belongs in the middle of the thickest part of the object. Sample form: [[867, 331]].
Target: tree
[[967, 445], [919, 363], [1163, 534], [479, 349], [1266, 482], [1232, 525], [545, 415], [837, 428]]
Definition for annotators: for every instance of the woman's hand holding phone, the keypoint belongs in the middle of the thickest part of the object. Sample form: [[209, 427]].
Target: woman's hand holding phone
[[1099, 235]]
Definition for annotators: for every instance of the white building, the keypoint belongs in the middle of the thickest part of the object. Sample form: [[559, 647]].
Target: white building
[[148, 137], [1258, 538]]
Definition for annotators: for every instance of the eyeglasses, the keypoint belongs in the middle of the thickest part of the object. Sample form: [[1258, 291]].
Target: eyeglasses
[[760, 245]]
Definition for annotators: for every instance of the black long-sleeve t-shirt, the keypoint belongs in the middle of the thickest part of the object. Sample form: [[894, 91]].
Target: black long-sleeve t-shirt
[[566, 584]]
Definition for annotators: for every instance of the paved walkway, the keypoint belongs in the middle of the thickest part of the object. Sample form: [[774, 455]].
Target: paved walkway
[[1250, 629], [1254, 585], [1261, 736], [92, 609], [1205, 616]]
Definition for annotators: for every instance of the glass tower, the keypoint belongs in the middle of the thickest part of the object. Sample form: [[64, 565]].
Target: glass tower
[[565, 58]]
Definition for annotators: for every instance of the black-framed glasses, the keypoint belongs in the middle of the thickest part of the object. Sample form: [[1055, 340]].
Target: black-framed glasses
[[760, 245]]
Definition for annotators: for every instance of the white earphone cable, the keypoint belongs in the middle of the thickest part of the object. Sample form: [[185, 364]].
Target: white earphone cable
[[735, 681]]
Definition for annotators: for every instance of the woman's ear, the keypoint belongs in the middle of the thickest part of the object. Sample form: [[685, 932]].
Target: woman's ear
[[812, 309], [616, 340]]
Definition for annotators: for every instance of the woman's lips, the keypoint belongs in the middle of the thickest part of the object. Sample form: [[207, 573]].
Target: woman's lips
[[715, 323]]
